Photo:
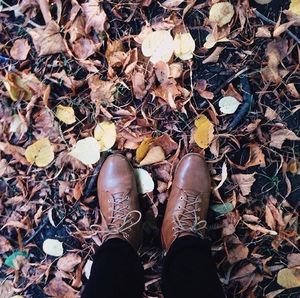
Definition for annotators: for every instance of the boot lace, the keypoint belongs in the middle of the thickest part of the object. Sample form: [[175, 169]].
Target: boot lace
[[187, 221], [121, 221]]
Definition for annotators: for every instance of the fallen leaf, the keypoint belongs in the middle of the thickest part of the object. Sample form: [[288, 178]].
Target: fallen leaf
[[270, 114], [184, 46], [16, 259], [263, 2], [176, 70], [87, 268], [154, 155], [18, 126], [167, 143], [293, 260], [295, 7], [244, 181], [204, 132], [68, 262], [53, 247], [6, 288], [20, 49], [214, 56], [48, 41], [105, 133], [289, 278], [238, 253], [65, 114], [162, 71], [228, 104], [211, 41], [221, 13], [278, 137], [172, 3], [102, 92], [144, 181], [84, 48], [258, 228], [143, 149], [224, 176], [222, 208], [159, 46], [95, 16], [4, 245], [40, 152], [87, 151], [21, 85], [59, 289]]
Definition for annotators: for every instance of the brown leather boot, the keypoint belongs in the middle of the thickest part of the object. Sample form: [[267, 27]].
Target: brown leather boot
[[118, 200], [188, 201]]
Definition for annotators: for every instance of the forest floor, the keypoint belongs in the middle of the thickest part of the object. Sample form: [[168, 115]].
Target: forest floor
[[88, 56]]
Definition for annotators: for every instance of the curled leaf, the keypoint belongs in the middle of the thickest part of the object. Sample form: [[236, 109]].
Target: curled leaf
[[65, 114], [143, 149], [41, 153], [87, 151], [105, 133]]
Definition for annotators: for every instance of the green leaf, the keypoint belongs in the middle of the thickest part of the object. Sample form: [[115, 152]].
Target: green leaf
[[222, 208], [10, 261]]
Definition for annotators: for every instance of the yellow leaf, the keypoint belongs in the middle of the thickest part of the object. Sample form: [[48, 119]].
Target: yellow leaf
[[40, 152], [204, 133], [105, 133], [143, 149], [17, 87], [184, 46], [87, 151], [295, 7], [221, 13], [289, 278], [154, 155], [65, 114]]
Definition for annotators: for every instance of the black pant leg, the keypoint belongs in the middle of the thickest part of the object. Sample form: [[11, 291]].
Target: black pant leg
[[116, 272], [189, 270]]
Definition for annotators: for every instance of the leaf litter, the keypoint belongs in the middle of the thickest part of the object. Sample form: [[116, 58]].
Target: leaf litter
[[155, 80]]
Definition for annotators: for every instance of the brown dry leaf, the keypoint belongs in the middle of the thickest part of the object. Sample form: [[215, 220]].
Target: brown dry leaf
[[293, 260], [289, 278], [214, 56], [270, 114], [172, 3], [95, 16], [278, 137], [5, 170], [20, 49], [258, 228], [162, 71], [168, 92], [276, 51], [17, 152], [263, 32], [45, 9], [244, 181], [4, 245], [59, 289], [68, 262], [167, 143], [84, 48], [48, 41], [238, 253], [155, 154], [6, 288], [204, 132], [102, 92], [143, 149], [270, 221], [21, 85], [139, 85]]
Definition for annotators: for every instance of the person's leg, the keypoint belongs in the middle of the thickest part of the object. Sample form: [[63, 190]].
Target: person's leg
[[116, 272], [189, 270]]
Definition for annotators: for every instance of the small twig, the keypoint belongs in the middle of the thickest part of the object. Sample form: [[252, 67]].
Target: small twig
[[267, 20]]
